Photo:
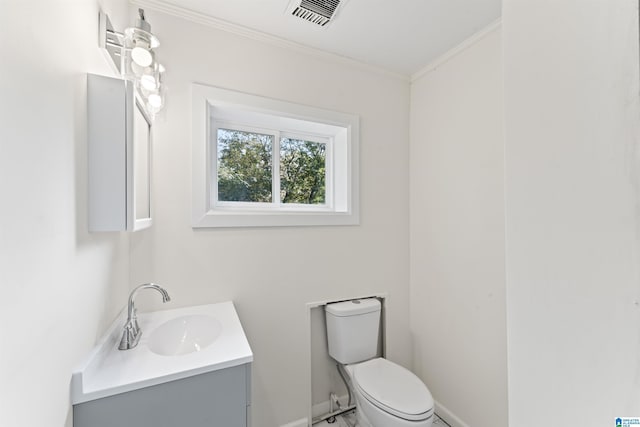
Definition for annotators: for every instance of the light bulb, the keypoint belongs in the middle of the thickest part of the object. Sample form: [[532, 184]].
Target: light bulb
[[136, 69], [148, 82], [141, 56], [155, 100]]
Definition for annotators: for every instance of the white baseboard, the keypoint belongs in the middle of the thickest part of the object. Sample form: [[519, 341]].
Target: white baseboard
[[302, 422], [448, 416]]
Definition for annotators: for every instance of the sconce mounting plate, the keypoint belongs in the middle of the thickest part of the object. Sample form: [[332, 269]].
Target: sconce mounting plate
[[109, 40]]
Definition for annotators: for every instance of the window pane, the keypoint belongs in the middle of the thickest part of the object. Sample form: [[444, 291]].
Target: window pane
[[302, 171], [244, 166]]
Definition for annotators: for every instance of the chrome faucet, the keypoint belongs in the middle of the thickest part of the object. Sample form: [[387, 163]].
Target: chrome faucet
[[131, 334]]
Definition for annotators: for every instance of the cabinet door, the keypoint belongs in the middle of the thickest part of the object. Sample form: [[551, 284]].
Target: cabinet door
[[213, 399], [119, 149]]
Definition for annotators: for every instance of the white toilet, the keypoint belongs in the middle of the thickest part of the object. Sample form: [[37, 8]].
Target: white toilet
[[386, 394]]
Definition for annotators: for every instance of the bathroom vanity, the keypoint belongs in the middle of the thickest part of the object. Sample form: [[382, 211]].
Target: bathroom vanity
[[191, 368]]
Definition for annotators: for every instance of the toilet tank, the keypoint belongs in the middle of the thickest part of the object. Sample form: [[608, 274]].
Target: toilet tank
[[352, 329]]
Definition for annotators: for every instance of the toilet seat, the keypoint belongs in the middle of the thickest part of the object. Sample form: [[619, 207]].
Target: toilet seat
[[393, 389]]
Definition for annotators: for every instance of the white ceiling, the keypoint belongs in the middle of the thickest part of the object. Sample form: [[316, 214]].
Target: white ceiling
[[402, 36]]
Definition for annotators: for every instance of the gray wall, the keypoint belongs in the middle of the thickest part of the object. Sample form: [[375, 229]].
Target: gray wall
[[458, 318], [272, 273], [61, 286]]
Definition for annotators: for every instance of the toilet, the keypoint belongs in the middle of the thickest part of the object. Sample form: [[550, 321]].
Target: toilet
[[386, 394]]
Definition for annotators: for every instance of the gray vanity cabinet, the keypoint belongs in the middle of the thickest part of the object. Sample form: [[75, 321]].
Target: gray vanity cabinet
[[214, 399]]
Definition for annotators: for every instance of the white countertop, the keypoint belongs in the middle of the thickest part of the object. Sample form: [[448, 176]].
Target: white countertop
[[107, 371]]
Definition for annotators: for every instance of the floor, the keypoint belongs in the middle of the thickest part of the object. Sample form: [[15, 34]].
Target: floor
[[349, 420]]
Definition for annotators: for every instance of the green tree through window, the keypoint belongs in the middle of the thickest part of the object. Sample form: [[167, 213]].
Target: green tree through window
[[302, 171], [245, 168]]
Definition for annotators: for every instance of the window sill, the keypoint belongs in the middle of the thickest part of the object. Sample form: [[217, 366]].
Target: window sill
[[261, 218]]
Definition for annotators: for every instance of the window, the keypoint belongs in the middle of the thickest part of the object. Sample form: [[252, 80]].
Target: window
[[270, 167], [244, 166], [262, 162], [303, 170]]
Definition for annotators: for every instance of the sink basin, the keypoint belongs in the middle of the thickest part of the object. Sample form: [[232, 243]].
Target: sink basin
[[184, 335]]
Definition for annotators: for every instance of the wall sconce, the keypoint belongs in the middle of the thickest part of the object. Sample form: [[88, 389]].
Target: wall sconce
[[133, 57]]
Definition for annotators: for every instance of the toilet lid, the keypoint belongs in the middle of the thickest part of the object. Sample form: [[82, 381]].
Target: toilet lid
[[393, 389]]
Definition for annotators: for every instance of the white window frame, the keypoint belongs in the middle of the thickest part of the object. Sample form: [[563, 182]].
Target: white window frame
[[214, 108]]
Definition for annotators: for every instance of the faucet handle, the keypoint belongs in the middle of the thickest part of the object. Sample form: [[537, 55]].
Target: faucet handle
[[130, 337]]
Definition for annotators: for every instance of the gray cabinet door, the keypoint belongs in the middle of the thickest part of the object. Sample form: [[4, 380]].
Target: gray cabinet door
[[213, 399]]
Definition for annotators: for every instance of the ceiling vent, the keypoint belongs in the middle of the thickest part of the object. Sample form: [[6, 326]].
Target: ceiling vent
[[319, 12]]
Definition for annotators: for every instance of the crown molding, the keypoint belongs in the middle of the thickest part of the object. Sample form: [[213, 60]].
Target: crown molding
[[230, 27], [451, 53]]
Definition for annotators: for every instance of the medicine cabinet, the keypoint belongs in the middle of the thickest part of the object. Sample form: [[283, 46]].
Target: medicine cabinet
[[119, 132]]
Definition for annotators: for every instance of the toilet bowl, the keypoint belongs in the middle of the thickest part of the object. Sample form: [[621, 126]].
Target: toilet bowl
[[388, 395]]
